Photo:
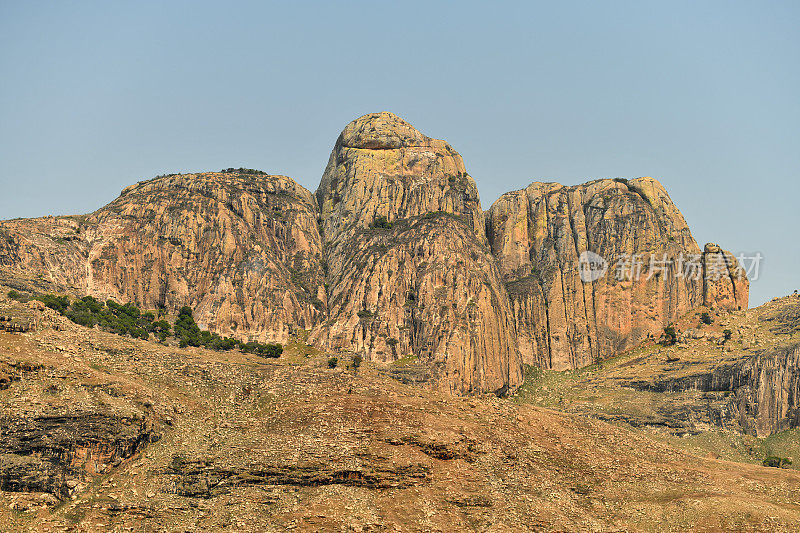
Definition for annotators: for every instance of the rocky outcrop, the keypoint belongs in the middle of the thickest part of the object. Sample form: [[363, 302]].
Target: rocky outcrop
[[758, 394], [725, 285], [204, 479], [393, 258], [409, 271], [598, 268], [57, 453], [765, 387], [242, 249]]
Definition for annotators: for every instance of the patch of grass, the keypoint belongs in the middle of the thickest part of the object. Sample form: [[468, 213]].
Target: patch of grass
[[100, 368], [406, 360], [264, 404]]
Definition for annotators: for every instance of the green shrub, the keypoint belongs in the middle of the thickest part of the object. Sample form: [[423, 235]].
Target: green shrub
[[705, 318], [670, 336], [272, 351], [332, 362], [57, 303], [243, 171], [364, 314], [186, 329], [382, 222], [128, 319], [357, 359], [727, 334], [161, 329], [14, 295], [777, 462]]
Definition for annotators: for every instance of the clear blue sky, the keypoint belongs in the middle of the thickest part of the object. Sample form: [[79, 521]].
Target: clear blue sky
[[705, 96]]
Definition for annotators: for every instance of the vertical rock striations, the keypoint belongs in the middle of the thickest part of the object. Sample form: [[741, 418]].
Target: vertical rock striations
[[409, 270], [242, 249], [654, 273], [393, 259]]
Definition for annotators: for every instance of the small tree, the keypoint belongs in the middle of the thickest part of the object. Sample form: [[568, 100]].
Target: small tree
[[272, 351], [382, 222], [670, 336], [777, 462]]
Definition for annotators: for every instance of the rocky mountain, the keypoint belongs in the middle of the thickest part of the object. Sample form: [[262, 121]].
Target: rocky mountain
[[393, 258], [243, 249], [654, 270], [410, 272], [531, 326]]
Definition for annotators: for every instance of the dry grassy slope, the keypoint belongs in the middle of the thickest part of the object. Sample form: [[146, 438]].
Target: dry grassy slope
[[274, 445], [702, 389]]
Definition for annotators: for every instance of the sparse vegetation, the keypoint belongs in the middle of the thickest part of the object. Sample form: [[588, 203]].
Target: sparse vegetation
[[129, 320], [14, 295], [670, 336], [365, 314], [243, 171], [57, 303], [271, 351], [332, 362], [705, 318], [777, 462], [110, 316], [357, 360], [382, 222]]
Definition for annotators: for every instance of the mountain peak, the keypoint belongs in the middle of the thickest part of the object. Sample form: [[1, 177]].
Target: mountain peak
[[381, 131]]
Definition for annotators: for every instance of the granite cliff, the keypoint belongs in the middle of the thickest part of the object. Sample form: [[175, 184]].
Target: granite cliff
[[653, 270], [408, 264], [392, 258], [242, 249]]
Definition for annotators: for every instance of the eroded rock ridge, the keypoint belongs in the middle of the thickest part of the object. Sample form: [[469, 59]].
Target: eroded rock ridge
[[393, 258]]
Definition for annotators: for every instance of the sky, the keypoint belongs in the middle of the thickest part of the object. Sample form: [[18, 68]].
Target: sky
[[704, 96]]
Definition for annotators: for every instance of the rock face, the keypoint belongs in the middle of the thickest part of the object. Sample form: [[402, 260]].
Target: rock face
[[651, 270], [724, 285], [52, 454], [393, 258], [409, 270], [242, 249]]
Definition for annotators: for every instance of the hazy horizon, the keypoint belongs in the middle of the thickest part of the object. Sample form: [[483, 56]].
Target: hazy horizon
[[98, 96]]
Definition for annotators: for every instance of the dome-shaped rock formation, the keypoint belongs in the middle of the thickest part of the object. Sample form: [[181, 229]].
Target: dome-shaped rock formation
[[410, 275]]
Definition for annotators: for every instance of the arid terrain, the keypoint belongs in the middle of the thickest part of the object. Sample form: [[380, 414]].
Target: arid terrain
[[230, 351], [105, 432]]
